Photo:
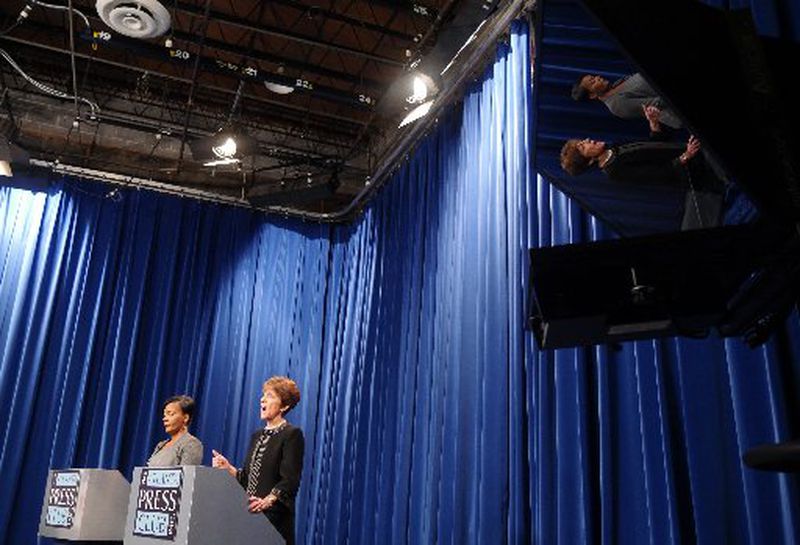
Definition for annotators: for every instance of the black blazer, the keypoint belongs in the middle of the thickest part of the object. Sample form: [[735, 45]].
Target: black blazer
[[281, 469]]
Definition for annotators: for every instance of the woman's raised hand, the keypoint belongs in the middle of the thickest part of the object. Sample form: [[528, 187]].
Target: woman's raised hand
[[692, 147], [220, 462]]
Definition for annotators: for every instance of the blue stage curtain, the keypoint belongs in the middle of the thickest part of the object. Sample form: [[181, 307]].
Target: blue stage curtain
[[643, 444], [429, 415], [433, 446], [109, 306]]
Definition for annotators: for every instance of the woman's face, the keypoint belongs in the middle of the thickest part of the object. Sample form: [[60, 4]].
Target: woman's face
[[595, 85], [174, 418], [591, 149], [270, 405]]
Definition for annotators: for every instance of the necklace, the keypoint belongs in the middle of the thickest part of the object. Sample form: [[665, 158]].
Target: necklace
[[276, 426], [605, 158]]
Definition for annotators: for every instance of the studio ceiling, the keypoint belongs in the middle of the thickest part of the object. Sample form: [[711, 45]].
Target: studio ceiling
[[157, 95]]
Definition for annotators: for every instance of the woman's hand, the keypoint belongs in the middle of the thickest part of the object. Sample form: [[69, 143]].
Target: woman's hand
[[220, 462], [258, 505], [653, 114], [692, 147]]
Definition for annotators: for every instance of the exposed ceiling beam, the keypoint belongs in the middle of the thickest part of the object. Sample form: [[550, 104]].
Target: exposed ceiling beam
[[356, 23], [411, 7], [285, 106], [299, 66], [192, 84], [274, 31], [370, 84], [152, 125], [485, 41], [361, 99]]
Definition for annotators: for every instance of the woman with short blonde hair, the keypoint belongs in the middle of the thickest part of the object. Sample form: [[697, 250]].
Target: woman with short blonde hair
[[274, 462]]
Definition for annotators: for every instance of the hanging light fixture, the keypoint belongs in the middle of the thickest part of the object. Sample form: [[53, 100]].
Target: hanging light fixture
[[427, 74], [421, 93], [417, 113], [228, 147], [278, 88], [422, 87]]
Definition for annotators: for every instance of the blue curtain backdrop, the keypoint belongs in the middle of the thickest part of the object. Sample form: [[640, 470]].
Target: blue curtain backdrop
[[429, 415]]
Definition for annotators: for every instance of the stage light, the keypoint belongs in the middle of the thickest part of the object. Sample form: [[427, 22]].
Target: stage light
[[422, 86], [422, 92], [227, 147], [221, 162], [227, 150], [417, 113], [277, 88], [224, 153]]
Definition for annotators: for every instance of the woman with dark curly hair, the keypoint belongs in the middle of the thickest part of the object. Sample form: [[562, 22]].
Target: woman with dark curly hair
[[274, 462]]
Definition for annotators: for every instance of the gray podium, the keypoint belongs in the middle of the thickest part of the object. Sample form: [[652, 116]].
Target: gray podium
[[85, 505], [192, 505]]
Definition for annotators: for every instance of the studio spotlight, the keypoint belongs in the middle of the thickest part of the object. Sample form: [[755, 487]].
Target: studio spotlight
[[422, 88], [417, 113], [278, 88], [225, 153], [227, 147], [421, 95], [418, 90]]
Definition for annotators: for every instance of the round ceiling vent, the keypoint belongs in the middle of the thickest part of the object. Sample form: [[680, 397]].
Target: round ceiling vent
[[135, 18]]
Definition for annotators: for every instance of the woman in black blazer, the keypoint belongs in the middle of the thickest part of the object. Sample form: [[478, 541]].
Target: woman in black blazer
[[274, 462]]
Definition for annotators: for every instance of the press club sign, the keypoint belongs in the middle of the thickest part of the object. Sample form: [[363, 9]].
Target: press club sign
[[158, 503], [63, 499]]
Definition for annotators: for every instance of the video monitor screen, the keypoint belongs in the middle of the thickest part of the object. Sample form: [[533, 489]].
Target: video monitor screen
[[606, 137]]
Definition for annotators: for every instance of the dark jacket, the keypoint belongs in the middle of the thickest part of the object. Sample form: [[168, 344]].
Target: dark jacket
[[656, 162], [281, 469], [647, 163]]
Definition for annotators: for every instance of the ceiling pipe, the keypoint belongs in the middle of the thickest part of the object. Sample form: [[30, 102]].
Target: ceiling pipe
[[137, 182], [250, 97], [298, 66], [388, 163], [192, 85], [358, 100], [237, 71]]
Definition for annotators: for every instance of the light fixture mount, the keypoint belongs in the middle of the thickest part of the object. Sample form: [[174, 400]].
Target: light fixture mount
[[135, 18]]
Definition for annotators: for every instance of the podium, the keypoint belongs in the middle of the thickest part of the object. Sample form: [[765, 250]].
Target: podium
[[192, 505], [84, 505]]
